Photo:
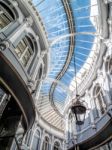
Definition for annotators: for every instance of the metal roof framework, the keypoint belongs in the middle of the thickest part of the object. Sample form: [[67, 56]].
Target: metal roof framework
[[74, 25]]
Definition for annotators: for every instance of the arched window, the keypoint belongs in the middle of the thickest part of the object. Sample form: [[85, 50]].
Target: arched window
[[6, 15], [45, 144], [36, 141], [56, 146], [99, 100], [24, 50]]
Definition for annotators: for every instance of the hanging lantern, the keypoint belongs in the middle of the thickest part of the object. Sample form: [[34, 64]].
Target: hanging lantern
[[79, 110]]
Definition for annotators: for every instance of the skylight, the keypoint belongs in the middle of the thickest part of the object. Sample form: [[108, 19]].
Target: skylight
[[80, 23]]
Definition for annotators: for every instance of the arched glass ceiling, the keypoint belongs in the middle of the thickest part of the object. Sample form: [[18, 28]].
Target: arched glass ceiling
[[61, 18]]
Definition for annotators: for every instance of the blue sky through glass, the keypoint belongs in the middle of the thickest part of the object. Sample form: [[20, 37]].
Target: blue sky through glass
[[55, 20]]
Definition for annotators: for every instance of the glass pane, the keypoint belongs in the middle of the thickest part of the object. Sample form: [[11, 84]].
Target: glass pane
[[24, 61], [24, 51], [4, 19], [26, 57], [21, 46], [18, 52]]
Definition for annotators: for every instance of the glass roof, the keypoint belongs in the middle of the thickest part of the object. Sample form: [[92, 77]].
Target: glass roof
[[72, 27]]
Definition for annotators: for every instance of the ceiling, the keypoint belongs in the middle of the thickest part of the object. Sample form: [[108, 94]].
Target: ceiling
[[73, 29]]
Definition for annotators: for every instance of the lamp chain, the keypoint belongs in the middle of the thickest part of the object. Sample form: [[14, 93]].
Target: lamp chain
[[75, 70]]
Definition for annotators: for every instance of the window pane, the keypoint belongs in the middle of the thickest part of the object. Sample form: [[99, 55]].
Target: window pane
[[24, 51], [5, 17], [18, 52], [3, 21]]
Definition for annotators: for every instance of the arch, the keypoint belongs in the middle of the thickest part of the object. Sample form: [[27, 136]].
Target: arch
[[57, 140], [6, 15], [34, 38], [99, 100], [46, 143], [11, 118], [30, 44], [25, 50], [56, 145], [37, 51], [31, 35]]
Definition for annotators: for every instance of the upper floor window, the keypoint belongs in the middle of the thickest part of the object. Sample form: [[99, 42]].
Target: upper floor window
[[6, 16], [45, 144], [24, 50], [99, 100], [56, 146]]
